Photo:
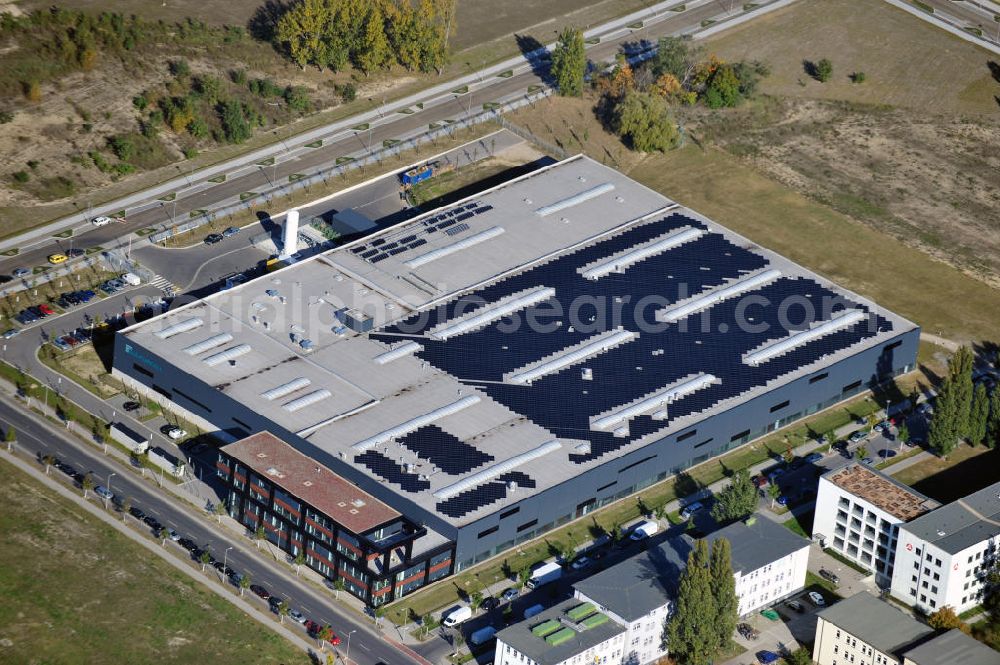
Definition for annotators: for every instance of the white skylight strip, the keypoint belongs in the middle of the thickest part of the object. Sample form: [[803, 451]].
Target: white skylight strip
[[654, 402], [576, 199], [406, 348], [415, 423], [458, 246], [774, 349], [179, 327], [490, 313], [714, 296], [496, 470], [229, 354], [600, 344], [306, 400], [209, 343], [286, 388], [620, 263]]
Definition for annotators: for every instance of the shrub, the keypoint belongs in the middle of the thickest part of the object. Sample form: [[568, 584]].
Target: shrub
[[6, 116], [122, 146], [824, 70], [238, 76], [198, 128], [21, 176], [140, 101], [265, 88], [32, 91], [235, 127], [180, 68], [348, 92], [644, 120], [297, 98], [858, 77]]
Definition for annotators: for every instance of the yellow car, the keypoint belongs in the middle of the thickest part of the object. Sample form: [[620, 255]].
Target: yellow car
[[56, 259]]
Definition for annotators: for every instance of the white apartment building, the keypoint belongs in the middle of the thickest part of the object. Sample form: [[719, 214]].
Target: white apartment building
[[769, 562], [570, 633], [863, 630], [943, 556], [858, 514]]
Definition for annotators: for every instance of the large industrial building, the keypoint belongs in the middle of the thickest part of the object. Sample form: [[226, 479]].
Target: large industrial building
[[499, 367]]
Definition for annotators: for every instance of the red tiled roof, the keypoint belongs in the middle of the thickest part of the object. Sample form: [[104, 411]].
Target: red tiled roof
[[307, 479]]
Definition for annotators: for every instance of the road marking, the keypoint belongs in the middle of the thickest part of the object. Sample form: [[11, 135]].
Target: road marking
[[362, 645]]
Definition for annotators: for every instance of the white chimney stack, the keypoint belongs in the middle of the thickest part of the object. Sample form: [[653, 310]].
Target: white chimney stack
[[290, 237]]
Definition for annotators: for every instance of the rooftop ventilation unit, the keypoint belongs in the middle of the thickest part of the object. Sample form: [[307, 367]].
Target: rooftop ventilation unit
[[306, 400], [465, 243], [714, 296], [623, 261], [179, 327], [600, 344], [286, 388], [397, 352], [576, 199], [782, 346], [489, 313], [229, 354], [209, 343], [654, 402], [415, 423], [497, 470]]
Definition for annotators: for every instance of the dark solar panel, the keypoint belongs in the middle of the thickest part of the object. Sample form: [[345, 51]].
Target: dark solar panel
[[380, 257], [370, 253], [472, 500], [446, 223], [461, 228], [377, 241], [444, 450], [563, 402], [417, 243], [407, 239], [464, 216], [392, 471]]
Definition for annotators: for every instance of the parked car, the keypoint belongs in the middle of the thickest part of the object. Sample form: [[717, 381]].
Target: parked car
[[131, 406], [136, 513], [103, 492], [20, 272], [857, 436], [817, 599], [260, 591], [690, 510], [795, 605], [100, 221], [829, 576], [775, 474], [813, 458], [173, 431], [56, 259], [509, 594], [231, 231], [296, 616], [581, 563], [490, 603], [312, 627], [12, 332], [885, 453], [187, 544], [75, 252], [212, 238], [765, 657]]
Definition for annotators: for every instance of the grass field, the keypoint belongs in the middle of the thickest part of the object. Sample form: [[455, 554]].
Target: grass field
[[906, 61], [77, 591], [966, 470]]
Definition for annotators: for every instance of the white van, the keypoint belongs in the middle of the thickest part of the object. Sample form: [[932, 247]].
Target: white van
[[644, 530], [457, 615]]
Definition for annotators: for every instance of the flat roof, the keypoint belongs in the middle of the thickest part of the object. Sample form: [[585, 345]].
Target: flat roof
[[758, 543], [962, 523], [527, 638], [953, 648], [641, 583], [283, 465], [876, 622], [408, 369], [881, 490]]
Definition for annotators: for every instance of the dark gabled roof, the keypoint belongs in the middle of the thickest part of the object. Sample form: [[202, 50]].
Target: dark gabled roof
[[953, 648], [758, 543], [876, 623], [639, 584], [962, 523]]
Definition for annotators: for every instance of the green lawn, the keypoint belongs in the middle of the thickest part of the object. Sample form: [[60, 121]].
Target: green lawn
[[77, 591], [966, 470]]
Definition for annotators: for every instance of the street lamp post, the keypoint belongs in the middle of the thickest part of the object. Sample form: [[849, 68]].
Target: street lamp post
[[225, 557], [347, 658], [110, 476]]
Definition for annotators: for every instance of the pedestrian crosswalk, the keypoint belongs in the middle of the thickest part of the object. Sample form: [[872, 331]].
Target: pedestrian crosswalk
[[163, 284]]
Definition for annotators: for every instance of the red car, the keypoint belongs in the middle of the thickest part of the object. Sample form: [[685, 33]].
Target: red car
[[46, 310], [312, 627], [334, 640]]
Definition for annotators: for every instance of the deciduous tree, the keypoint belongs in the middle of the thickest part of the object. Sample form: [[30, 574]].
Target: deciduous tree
[[303, 30], [946, 619], [644, 120], [569, 63], [373, 48], [737, 500]]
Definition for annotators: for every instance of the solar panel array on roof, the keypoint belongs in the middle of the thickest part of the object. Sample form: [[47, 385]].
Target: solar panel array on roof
[[565, 403], [444, 450], [389, 469], [483, 495]]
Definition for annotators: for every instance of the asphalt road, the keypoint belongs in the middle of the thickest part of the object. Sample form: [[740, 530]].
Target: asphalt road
[[392, 125], [38, 437]]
